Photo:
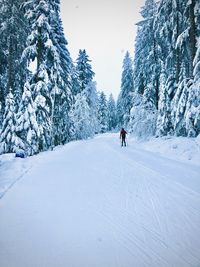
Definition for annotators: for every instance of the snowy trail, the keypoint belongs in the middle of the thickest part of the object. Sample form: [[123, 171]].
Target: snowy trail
[[95, 204]]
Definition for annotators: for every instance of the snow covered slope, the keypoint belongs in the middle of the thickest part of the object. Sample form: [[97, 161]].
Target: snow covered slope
[[178, 148], [95, 204]]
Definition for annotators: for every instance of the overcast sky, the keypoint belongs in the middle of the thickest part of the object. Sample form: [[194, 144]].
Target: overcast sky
[[105, 28]]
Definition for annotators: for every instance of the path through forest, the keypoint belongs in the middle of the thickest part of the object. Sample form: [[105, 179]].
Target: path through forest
[[95, 204]]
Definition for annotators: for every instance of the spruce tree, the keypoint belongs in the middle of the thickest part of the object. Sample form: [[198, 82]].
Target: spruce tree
[[3, 59], [112, 120], [75, 85], [38, 50], [84, 70], [13, 31], [146, 75], [164, 120], [83, 85], [26, 126], [50, 83], [9, 142], [146, 64], [90, 93], [63, 97], [103, 113], [81, 127], [185, 103], [143, 116], [167, 32], [125, 97]]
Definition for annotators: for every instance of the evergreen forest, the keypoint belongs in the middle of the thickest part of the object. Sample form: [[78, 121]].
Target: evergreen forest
[[47, 100]]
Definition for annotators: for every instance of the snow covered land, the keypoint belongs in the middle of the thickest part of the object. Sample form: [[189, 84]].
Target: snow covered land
[[95, 204], [75, 201]]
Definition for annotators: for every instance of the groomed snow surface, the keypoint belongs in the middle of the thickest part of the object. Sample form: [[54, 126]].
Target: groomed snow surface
[[95, 204]]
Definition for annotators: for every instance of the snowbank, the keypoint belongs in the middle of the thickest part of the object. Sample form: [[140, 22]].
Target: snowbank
[[178, 148]]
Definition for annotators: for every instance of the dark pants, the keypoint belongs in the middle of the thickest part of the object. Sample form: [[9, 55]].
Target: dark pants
[[123, 141]]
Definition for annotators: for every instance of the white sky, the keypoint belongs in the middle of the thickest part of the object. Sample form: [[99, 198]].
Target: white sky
[[106, 29]]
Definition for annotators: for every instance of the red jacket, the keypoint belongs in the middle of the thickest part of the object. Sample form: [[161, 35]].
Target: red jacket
[[123, 133]]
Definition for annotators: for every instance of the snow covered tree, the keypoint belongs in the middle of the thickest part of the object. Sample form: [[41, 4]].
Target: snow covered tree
[[1, 113], [186, 109], [192, 111], [83, 85], [84, 70], [9, 141], [142, 117], [50, 83], [61, 43], [192, 28], [81, 127], [13, 31], [125, 96], [186, 100], [84, 113], [146, 75], [112, 120], [166, 66], [146, 65], [119, 112], [179, 106], [166, 27], [26, 126], [90, 93], [103, 113], [75, 86], [3, 59], [164, 120], [60, 78], [192, 114], [38, 50]]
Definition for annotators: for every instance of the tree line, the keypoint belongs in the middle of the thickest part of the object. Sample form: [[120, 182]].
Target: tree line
[[160, 92], [45, 98]]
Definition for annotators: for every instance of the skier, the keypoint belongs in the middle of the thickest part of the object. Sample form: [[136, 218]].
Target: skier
[[123, 134]]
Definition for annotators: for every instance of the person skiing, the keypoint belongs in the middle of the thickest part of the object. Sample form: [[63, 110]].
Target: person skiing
[[123, 134]]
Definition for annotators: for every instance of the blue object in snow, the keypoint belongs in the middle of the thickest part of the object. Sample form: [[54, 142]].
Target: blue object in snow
[[20, 154]]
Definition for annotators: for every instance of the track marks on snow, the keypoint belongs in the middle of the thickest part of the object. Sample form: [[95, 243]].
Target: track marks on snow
[[123, 205]]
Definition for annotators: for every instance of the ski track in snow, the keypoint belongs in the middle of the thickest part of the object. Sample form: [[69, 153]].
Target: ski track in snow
[[95, 204], [8, 177]]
